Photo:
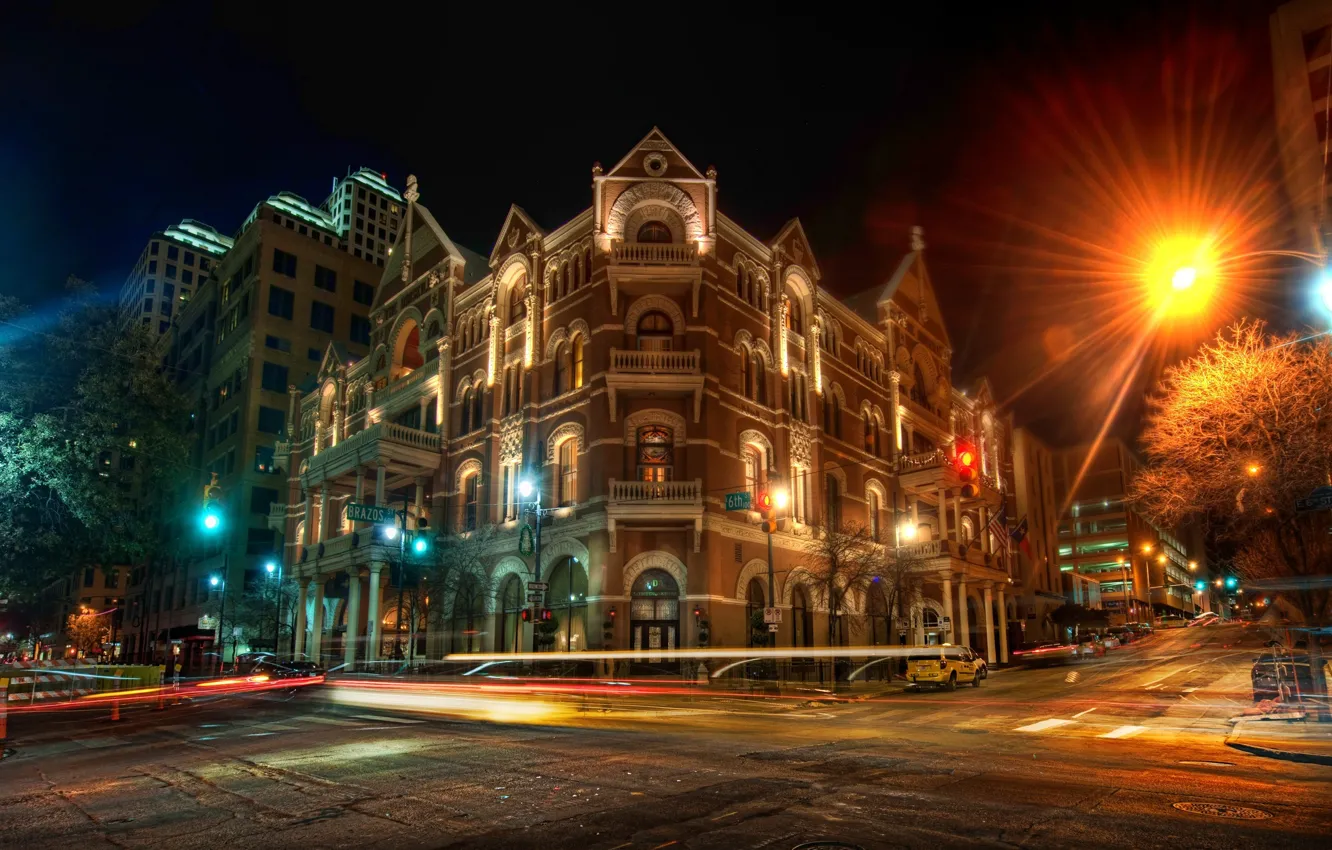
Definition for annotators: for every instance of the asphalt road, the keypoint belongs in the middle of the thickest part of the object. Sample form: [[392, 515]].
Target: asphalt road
[[1096, 755]]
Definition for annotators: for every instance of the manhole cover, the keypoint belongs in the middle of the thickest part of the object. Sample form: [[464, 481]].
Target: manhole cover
[[1217, 810]]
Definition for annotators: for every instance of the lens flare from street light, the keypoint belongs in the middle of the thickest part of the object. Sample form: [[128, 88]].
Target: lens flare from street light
[[1180, 277], [1183, 278], [780, 498], [526, 489], [1254, 469]]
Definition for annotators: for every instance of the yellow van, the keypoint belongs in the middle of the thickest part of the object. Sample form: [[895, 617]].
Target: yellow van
[[943, 667]]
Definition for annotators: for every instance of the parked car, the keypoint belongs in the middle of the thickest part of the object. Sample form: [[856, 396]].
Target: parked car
[[943, 667], [979, 661], [1047, 654], [1173, 622], [1110, 642], [1141, 629], [1090, 645], [276, 669]]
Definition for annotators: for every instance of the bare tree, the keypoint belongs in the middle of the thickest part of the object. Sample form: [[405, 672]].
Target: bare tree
[[844, 560], [1238, 433], [900, 576], [455, 583]]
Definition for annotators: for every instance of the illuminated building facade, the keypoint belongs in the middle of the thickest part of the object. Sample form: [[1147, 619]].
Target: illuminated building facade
[[1302, 74], [640, 361], [172, 267]]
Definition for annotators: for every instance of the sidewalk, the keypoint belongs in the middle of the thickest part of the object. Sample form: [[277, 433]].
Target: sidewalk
[[1289, 735]]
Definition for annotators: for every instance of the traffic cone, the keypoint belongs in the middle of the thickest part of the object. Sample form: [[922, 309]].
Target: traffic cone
[[161, 699], [115, 710]]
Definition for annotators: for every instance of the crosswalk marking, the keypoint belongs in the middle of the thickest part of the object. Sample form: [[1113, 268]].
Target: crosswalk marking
[[381, 719], [1124, 732], [1052, 723]]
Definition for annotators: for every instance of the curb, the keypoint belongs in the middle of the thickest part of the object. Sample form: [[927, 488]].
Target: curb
[[1283, 755]]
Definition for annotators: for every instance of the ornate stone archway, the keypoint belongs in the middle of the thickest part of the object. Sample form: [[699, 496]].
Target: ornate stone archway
[[654, 560]]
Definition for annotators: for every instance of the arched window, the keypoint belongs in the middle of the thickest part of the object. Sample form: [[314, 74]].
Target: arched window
[[576, 349], [471, 501], [740, 281], [654, 232], [929, 622], [968, 531], [654, 612], [834, 490], [567, 599], [511, 607], [466, 424], [517, 302], [832, 415], [760, 389], [469, 609], [795, 317], [917, 393], [746, 372], [871, 434], [408, 354], [874, 508], [655, 331], [567, 473], [587, 265], [477, 419], [802, 619], [510, 403], [756, 474], [564, 279], [656, 453], [561, 369]]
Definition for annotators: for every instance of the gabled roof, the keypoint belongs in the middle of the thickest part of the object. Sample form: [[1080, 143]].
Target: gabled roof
[[523, 220], [336, 356], [655, 140], [430, 247], [791, 233], [909, 288]]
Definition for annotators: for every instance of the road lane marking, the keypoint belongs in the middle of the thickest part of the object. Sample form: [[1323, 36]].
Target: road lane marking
[[1088, 711], [332, 721], [1124, 732], [1052, 723], [378, 719]]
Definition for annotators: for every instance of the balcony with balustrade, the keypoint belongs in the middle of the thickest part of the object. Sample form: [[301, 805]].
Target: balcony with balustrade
[[654, 254], [406, 453], [638, 268], [925, 473], [653, 504], [948, 557], [658, 374]]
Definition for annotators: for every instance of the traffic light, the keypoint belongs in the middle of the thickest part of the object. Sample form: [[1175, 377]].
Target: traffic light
[[211, 517], [527, 615], [545, 615], [1200, 585], [1231, 582], [767, 505], [967, 462]]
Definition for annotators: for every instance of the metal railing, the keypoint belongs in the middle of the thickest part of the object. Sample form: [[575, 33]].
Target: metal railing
[[635, 252], [660, 362], [657, 492], [922, 460], [928, 549], [378, 431]]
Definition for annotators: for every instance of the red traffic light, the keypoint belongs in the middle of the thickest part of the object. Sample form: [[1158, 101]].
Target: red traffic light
[[545, 614], [966, 460], [527, 615], [764, 501]]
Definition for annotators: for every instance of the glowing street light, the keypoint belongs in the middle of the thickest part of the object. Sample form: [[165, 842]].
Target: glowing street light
[[1253, 469], [271, 567], [907, 531], [1180, 277], [1183, 278], [780, 499]]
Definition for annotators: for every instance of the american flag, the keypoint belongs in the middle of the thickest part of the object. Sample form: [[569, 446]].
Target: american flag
[[999, 528]]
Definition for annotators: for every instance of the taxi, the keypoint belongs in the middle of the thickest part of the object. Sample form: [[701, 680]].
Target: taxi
[[942, 667]]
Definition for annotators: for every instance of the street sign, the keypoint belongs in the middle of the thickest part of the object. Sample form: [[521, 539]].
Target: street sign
[[772, 616], [207, 624], [1318, 500], [371, 513], [533, 586], [534, 598], [945, 623], [772, 627], [741, 501]]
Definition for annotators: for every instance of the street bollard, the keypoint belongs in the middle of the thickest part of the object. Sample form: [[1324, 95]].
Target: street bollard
[[115, 710]]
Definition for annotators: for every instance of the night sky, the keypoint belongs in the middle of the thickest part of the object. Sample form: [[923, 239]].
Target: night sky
[[122, 120]]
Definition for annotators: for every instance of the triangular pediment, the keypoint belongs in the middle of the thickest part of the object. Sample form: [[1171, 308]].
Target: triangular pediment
[[518, 225], [792, 241], [635, 163], [911, 291], [336, 357], [431, 246]]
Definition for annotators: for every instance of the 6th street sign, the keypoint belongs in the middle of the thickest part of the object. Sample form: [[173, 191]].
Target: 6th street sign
[[740, 501], [1319, 500], [370, 513]]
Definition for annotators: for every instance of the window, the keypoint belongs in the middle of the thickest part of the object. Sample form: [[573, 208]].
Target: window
[[466, 425], [874, 508], [561, 369], [363, 293], [281, 302], [795, 320], [165, 308], [654, 232], [568, 472], [163, 326], [656, 453], [471, 494], [173, 252], [326, 279], [759, 375], [314, 354], [152, 267], [476, 408], [263, 459], [568, 599], [510, 607], [517, 304], [204, 264], [261, 498], [260, 541], [577, 349], [321, 316], [655, 332], [755, 474], [89, 572], [153, 248], [271, 420], [802, 619], [277, 343], [832, 415], [834, 507], [871, 435], [187, 276], [360, 329], [274, 377], [284, 263], [147, 305], [170, 272]]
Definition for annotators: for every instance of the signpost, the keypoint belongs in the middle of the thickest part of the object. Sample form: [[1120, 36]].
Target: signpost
[[772, 616], [741, 501], [1318, 500], [371, 513], [772, 627], [537, 586], [945, 623]]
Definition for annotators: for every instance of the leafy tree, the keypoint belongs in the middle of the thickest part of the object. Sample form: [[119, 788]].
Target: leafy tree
[[87, 632], [90, 433], [1238, 433], [1071, 615]]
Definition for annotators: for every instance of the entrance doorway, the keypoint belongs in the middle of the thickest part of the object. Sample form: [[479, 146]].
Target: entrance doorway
[[654, 620]]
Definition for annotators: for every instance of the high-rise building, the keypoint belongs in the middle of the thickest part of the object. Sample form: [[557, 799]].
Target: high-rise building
[[1037, 582], [366, 212], [1302, 73], [170, 270], [289, 291], [1142, 570]]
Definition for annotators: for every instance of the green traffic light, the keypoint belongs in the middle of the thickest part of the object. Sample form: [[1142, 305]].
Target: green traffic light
[[419, 545], [1231, 581], [212, 520]]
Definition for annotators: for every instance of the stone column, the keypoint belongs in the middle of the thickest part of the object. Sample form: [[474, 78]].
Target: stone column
[[316, 647], [989, 625], [895, 380], [948, 607], [372, 618], [379, 485], [963, 620], [301, 604], [353, 632], [445, 391], [1003, 626]]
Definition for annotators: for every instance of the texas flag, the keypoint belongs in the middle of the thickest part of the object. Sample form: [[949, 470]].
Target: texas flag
[[1019, 535]]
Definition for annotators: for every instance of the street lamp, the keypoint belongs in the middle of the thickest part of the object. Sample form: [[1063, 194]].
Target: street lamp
[[275, 571], [529, 489], [216, 582]]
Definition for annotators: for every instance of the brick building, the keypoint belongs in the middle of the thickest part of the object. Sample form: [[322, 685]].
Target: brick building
[[640, 361]]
